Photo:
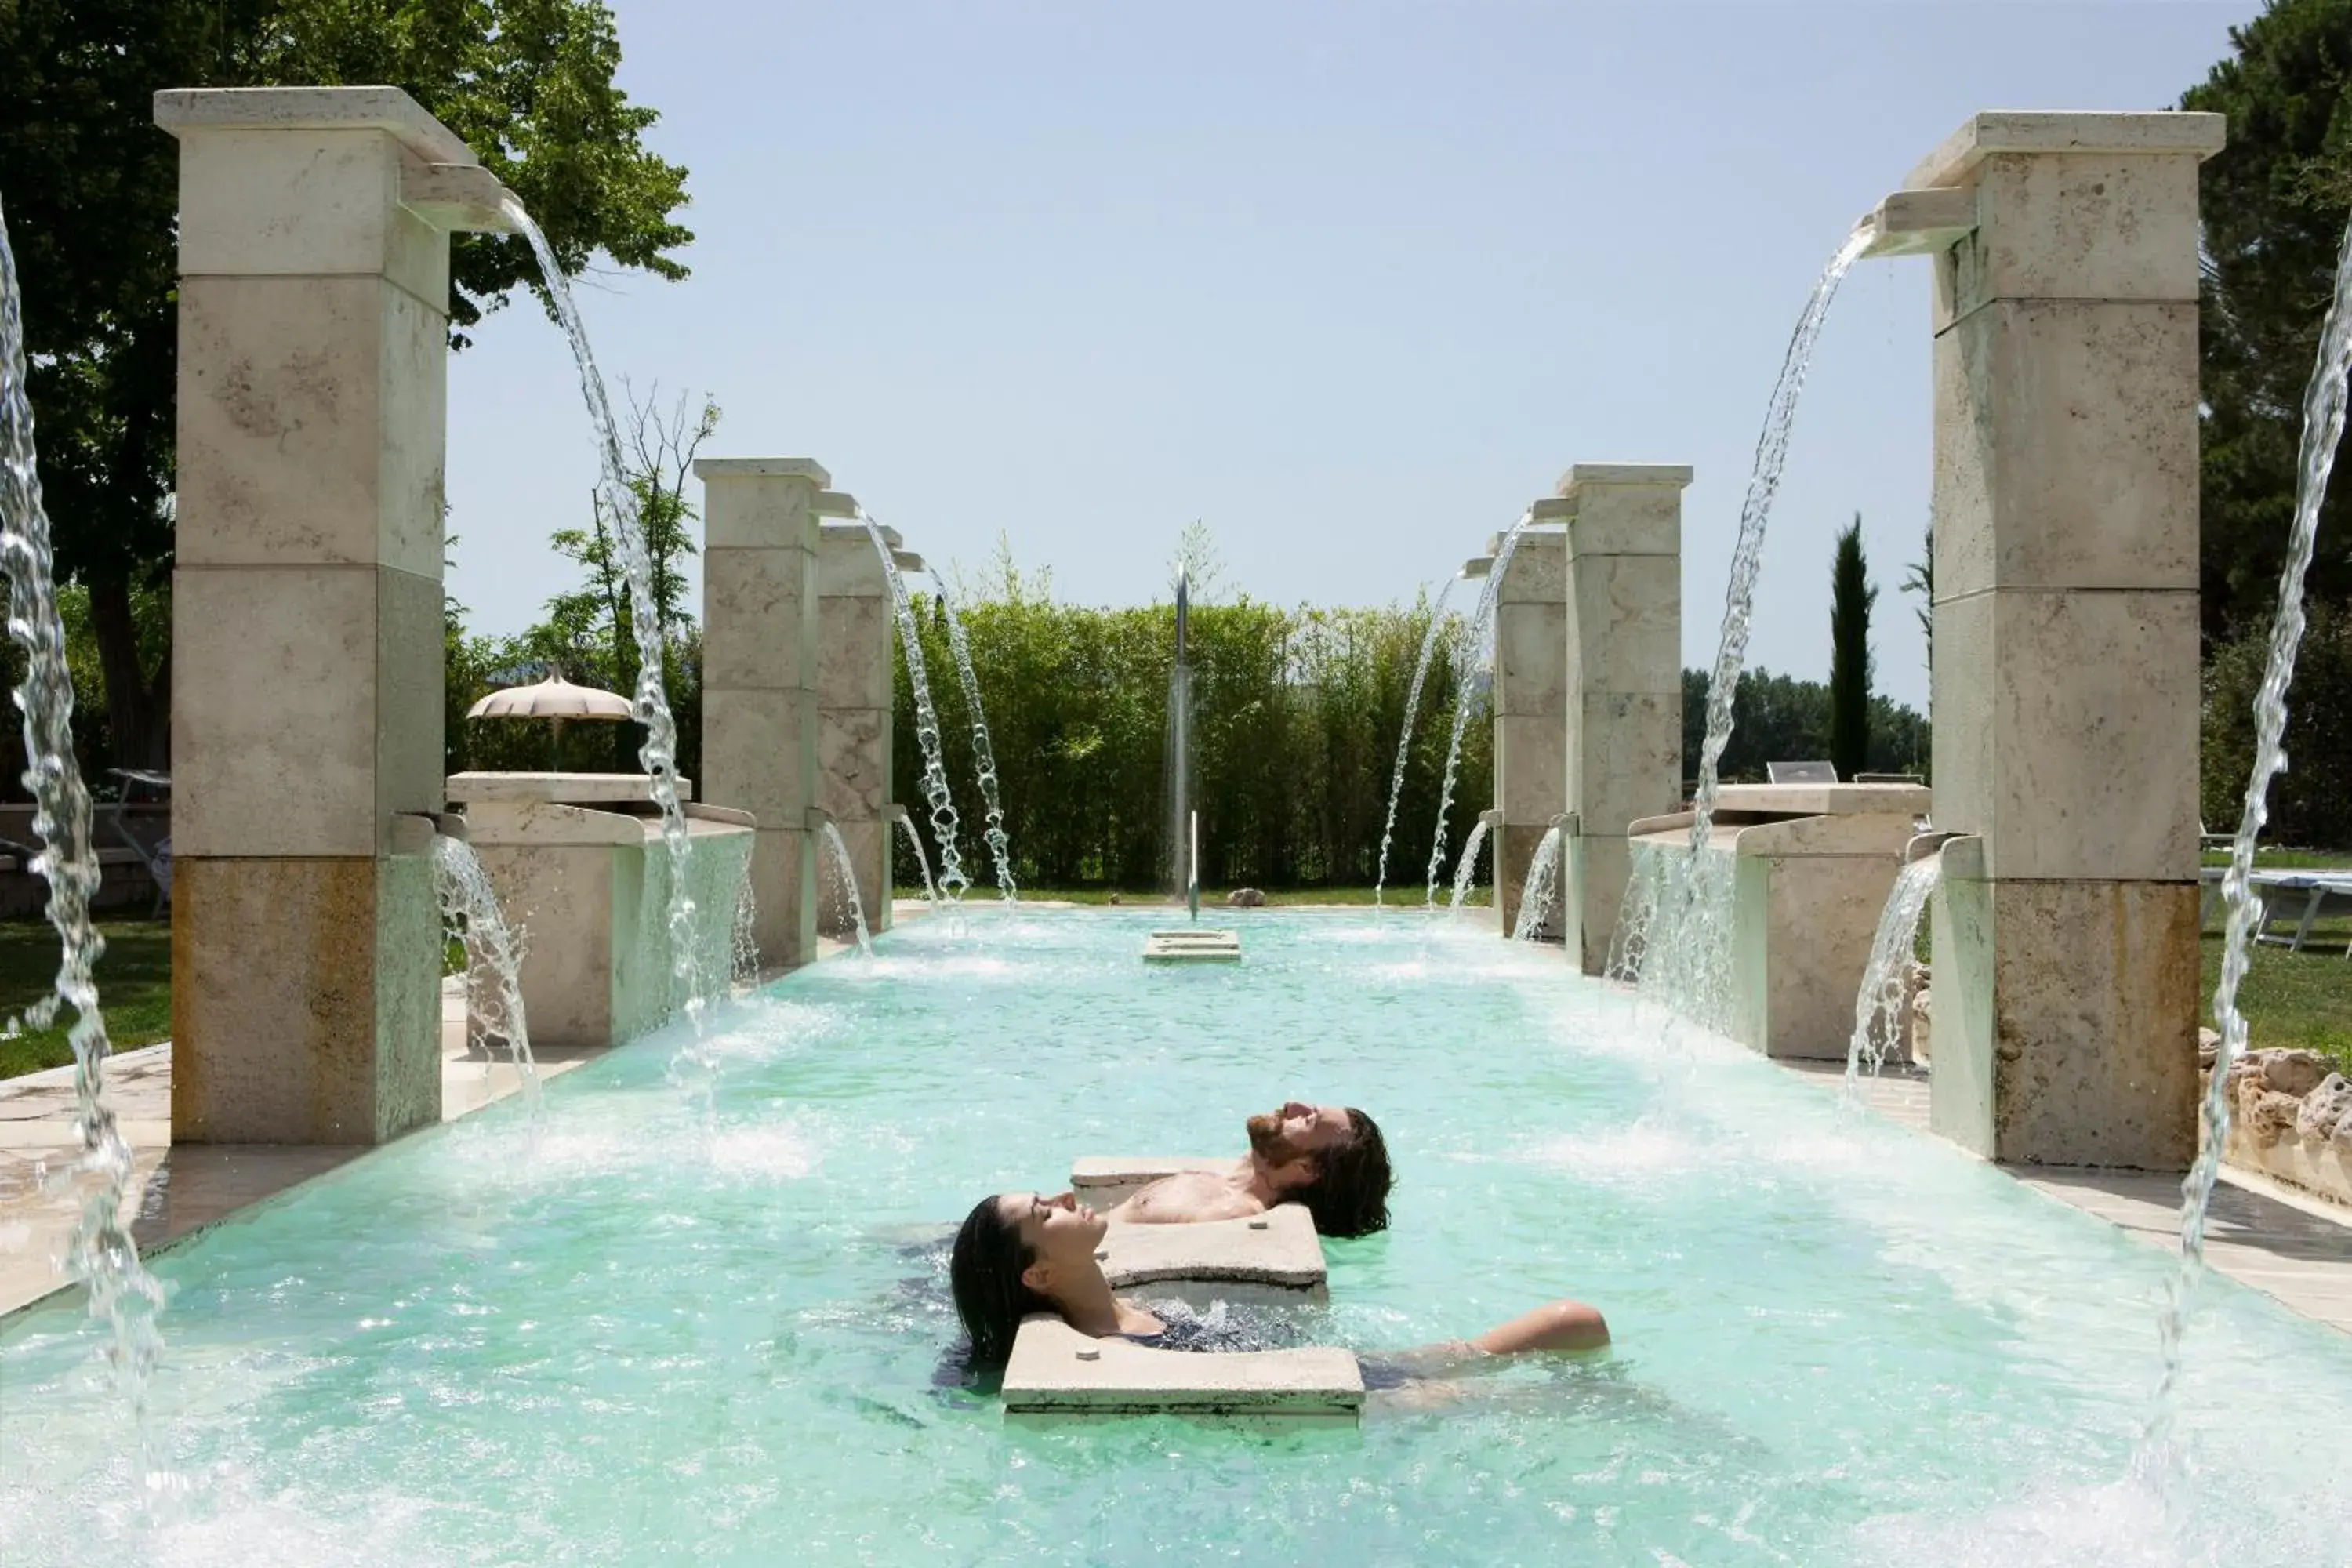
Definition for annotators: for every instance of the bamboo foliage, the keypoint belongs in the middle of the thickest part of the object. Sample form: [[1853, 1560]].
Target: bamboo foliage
[[1296, 717]]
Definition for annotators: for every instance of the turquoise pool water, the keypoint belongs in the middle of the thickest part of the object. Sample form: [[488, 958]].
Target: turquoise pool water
[[622, 1336]]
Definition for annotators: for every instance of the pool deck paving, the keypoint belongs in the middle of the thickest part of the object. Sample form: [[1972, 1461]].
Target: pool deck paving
[[2295, 1248]]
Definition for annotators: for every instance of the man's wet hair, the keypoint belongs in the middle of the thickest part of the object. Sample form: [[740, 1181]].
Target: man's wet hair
[[1349, 1195]]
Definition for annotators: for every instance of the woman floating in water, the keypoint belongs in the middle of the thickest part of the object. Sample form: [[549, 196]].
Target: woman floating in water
[[1020, 1253]]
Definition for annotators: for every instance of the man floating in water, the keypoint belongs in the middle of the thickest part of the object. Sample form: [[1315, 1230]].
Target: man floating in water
[[1330, 1158]]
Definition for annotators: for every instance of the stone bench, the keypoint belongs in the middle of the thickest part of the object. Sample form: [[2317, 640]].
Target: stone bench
[[1106, 1181], [1060, 1373], [1272, 1259]]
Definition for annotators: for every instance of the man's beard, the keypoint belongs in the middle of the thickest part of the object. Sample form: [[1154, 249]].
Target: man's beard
[[1267, 1141]]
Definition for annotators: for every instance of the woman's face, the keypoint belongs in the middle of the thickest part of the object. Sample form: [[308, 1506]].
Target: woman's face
[[1060, 1232]]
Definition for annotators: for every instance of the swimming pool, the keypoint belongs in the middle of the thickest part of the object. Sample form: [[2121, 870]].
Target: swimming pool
[[625, 1336]]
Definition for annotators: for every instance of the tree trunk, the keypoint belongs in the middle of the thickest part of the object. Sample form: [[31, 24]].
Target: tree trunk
[[138, 709]]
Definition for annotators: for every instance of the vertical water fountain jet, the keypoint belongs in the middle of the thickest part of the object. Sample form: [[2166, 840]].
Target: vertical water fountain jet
[[759, 695], [743, 933], [1529, 704], [306, 630], [983, 751], [1183, 830], [1429, 641], [102, 1255], [856, 696], [2065, 681], [1624, 689], [944, 821], [1474, 640]]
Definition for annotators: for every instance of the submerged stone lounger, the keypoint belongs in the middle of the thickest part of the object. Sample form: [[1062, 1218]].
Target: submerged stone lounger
[[1192, 944], [1058, 1372], [1103, 1180], [1275, 1257]]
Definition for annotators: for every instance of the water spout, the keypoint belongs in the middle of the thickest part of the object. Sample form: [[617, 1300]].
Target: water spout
[[1472, 639], [944, 821], [469, 907], [1540, 895], [1404, 736], [103, 1255], [1466, 870], [922, 862], [1183, 830], [983, 755], [651, 704], [2323, 428], [1879, 1010], [848, 875], [743, 939]]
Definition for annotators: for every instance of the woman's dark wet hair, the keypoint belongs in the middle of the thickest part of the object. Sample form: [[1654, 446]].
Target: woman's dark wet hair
[[984, 1273], [1349, 1195]]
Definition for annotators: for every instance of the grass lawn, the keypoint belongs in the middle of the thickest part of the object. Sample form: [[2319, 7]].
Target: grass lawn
[[134, 986], [1405, 893]]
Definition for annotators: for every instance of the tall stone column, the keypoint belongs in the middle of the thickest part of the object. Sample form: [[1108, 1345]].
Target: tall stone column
[[857, 629], [1624, 679], [306, 627], [1530, 704], [2065, 670], [760, 657]]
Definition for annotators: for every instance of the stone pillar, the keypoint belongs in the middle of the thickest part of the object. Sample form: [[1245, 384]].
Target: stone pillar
[[1624, 679], [857, 629], [760, 653], [1531, 702], [306, 629], [2065, 673]]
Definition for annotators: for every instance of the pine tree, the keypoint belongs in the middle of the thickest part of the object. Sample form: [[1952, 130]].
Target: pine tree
[[1851, 596]]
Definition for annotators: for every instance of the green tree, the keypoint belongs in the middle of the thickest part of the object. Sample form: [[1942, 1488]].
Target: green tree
[[1919, 578], [1850, 598], [92, 193], [2275, 204]]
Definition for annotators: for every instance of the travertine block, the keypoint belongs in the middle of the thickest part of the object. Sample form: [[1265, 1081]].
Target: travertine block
[[310, 412], [856, 636], [2066, 1031], [307, 706], [312, 987], [869, 844], [1058, 1374], [2066, 731], [1624, 509], [852, 763], [847, 565], [318, 202], [784, 884], [1625, 758], [1624, 626], [1531, 659], [2066, 448], [765, 743], [2091, 225], [1594, 875], [1539, 571], [1273, 1256], [1802, 932], [1530, 753], [760, 618], [760, 503]]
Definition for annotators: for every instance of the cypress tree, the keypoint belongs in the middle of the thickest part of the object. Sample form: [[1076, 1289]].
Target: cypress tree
[[1851, 596]]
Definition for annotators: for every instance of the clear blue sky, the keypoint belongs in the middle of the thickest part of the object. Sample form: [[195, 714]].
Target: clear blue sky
[[1353, 283]]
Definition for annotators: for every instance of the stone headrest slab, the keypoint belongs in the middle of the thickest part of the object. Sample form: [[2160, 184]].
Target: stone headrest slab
[[1278, 1247], [1057, 1371]]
